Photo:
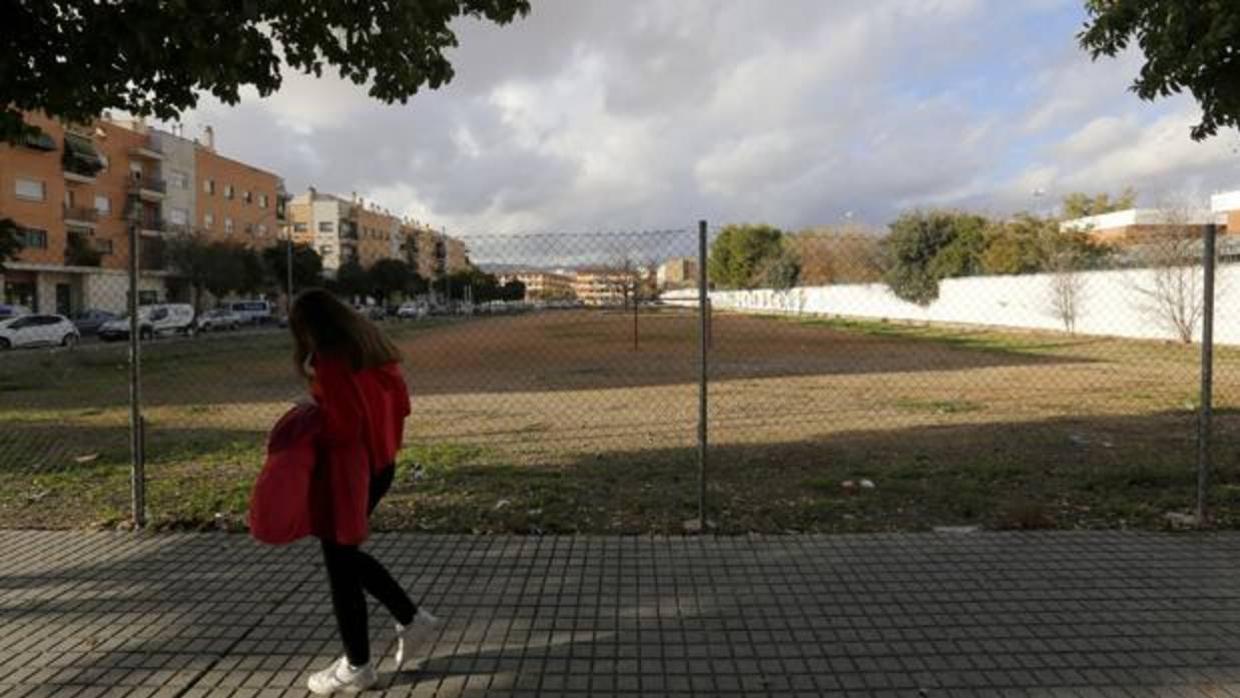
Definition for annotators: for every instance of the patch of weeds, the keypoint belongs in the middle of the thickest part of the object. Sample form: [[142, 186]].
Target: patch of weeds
[[435, 459]]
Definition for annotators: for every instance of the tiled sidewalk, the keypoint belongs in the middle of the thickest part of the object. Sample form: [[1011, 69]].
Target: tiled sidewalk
[[983, 614]]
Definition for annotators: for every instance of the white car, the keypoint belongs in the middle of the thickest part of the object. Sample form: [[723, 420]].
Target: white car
[[38, 331], [252, 312], [219, 319], [412, 311], [153, 320]]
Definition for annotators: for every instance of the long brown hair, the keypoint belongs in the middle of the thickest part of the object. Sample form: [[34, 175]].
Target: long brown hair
[[321, 323]]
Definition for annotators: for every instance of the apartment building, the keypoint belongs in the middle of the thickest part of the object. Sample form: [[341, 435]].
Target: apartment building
[[344, 229], [678, 272], [76, 190], [542, 285], [233, 200], [603, 286]]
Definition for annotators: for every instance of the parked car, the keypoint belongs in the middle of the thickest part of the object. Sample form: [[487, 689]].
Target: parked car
[[373, 312], [153, 321], [219, 319], [252, 312], [12, 311], [88, 322], [36, 331], [412, 311]]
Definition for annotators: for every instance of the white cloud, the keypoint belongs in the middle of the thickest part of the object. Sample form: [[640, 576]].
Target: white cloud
[[599, 115]]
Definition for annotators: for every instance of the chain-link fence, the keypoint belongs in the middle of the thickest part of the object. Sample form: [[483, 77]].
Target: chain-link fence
[[557, 387]]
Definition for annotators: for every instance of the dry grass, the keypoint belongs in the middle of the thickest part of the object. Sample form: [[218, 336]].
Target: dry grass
[[554, 422]]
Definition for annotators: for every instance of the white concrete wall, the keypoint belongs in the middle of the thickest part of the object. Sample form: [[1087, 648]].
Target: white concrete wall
[[1112, 303]]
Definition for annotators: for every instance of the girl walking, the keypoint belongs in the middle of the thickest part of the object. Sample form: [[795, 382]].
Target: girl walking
[[355, 379]]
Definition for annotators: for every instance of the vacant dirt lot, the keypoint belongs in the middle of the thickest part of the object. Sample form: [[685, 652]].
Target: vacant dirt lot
[[555, 421]]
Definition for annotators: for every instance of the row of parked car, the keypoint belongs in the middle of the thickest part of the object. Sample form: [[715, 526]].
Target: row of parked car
[[21, 328]]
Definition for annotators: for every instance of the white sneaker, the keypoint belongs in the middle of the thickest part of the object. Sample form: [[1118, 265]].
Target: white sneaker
[[343, 677], [410, 638]]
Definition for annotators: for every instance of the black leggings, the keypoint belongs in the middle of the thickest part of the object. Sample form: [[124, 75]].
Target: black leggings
[[349, 571]]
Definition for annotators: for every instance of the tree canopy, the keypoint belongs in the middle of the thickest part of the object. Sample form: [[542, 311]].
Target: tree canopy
[[75, 60], [1191, 45], [742, 253], [924, 247], [1080, 205]]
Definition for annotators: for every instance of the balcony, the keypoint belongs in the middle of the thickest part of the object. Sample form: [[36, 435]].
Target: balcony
[[153, 226], [149, 150], [79, 172], [80, 216], [148, 188]]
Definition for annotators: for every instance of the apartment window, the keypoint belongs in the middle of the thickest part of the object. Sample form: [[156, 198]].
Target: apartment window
[[301, 227], [103, 160], [208, 186], [103, 204], [178, 216], [33, 238], [262, 229], [228, 225], [30, 189], [103, 245], [249, 196], [327, 227], [228, 191], [262, 201], [249, 228], [208, 220], [180, 179]]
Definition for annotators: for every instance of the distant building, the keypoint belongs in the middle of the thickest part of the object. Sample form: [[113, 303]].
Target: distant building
[[542, 285], [348, 229], [604, 286], [680, 272], [1137, 224]]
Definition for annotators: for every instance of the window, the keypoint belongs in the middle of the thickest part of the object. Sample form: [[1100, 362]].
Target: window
[[228, 191], [300, 227], [208, 220], [327, 227], [249, 228], [33, 238], [103, 204], [208, 186], [228, 225], [262, 229], [262, 201], [326, 250], [104, 246], [103, 160], [248, 196], [180, 179], [178, 216], [30, 189]]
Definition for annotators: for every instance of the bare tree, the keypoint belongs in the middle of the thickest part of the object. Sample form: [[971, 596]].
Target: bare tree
[[1067, 285], [1171, 281]]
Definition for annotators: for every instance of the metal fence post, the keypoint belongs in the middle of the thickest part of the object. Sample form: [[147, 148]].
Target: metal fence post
[[1207, 374], [137, 433], [703, 311]]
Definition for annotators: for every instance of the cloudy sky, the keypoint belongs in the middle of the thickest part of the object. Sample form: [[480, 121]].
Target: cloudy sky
[[599, 115]]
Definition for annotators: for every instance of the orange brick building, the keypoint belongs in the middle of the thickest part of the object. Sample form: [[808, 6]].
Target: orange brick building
[[76, 190]]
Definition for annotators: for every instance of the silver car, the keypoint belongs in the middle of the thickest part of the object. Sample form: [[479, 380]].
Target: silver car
[[219, 319]]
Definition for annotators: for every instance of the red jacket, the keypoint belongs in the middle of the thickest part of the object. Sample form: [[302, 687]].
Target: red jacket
[[357, 431]]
